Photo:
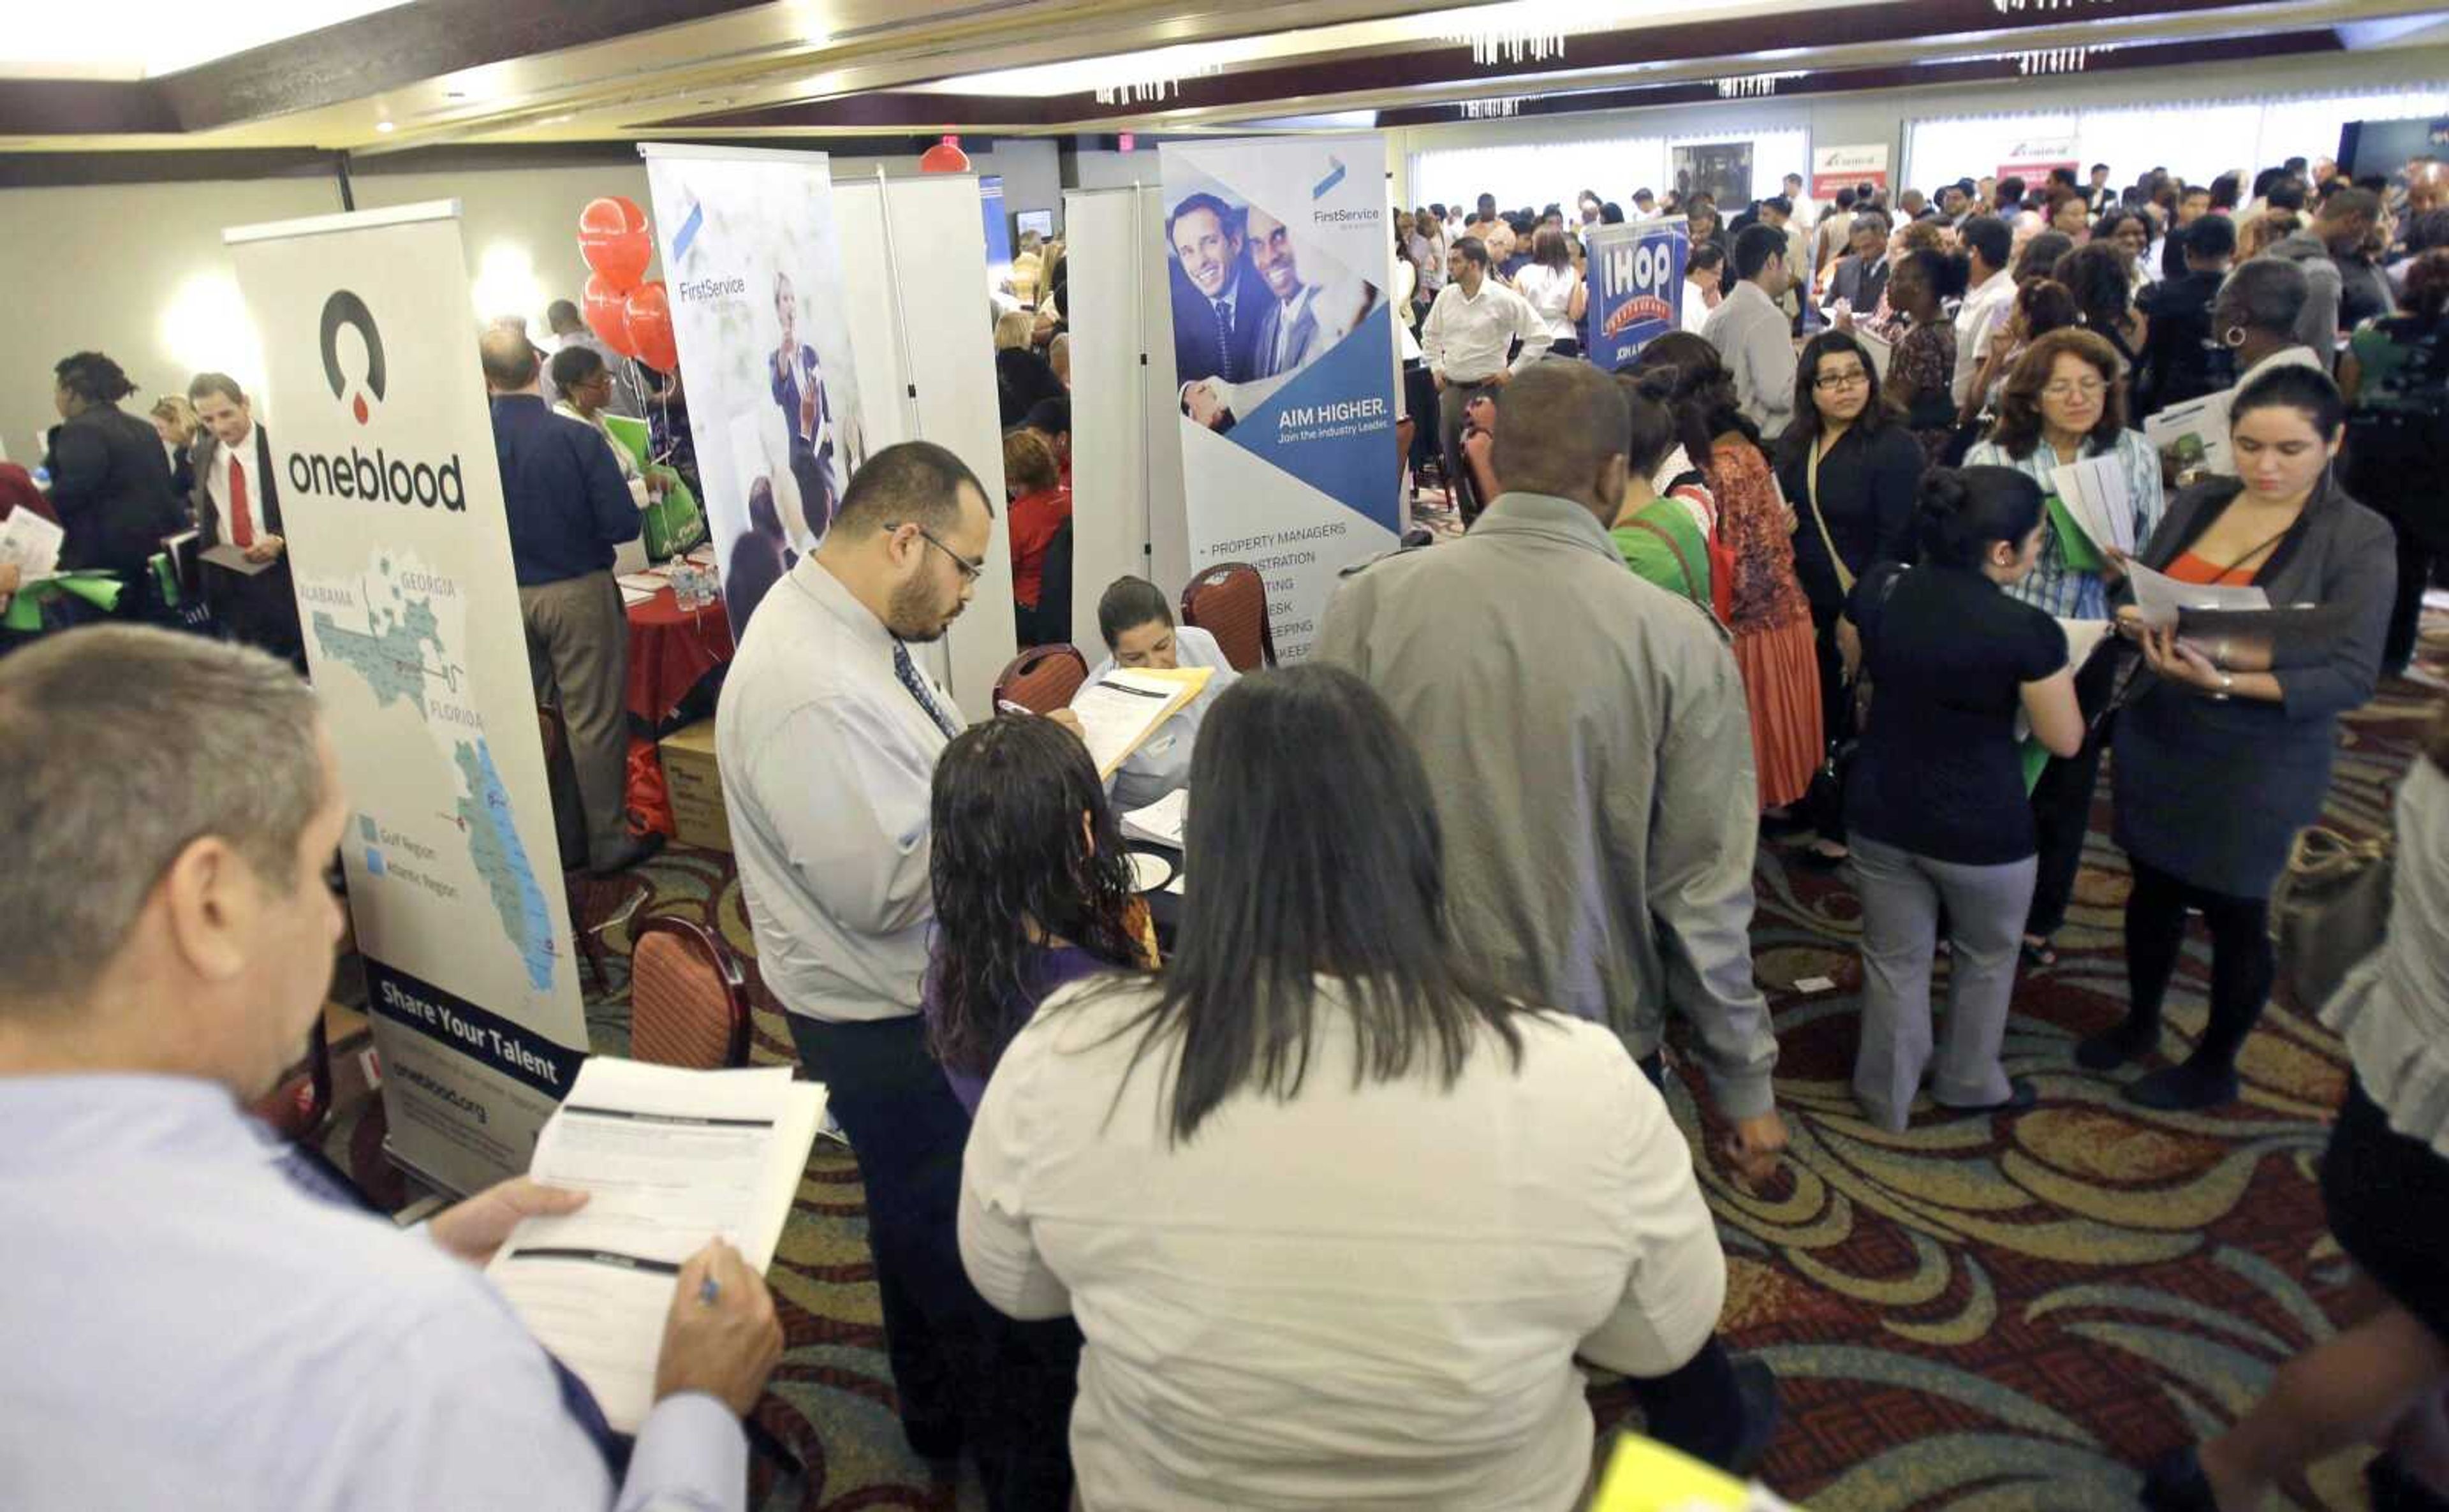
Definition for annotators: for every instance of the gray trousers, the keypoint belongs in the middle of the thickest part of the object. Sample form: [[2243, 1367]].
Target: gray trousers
[[1901, 895], [578, 650]]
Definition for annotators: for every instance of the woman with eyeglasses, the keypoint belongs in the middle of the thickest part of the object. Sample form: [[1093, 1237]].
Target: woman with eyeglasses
[[2225, 752], [1850, 468], [2062, 403], [1335, 1214]]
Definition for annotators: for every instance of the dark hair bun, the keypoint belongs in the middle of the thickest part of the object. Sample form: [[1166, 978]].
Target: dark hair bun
[[1960, 510], [1657, 385]]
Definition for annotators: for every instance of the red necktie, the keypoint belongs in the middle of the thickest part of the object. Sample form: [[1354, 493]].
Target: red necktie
[[241, 524]]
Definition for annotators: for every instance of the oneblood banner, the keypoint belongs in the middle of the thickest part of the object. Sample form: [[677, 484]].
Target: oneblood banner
[[402, 554], [1283, 349], [1637, 280]]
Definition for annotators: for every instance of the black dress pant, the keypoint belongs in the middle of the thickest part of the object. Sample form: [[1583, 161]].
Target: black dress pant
[[2242, 962], [965, 1373], [2062, 802]]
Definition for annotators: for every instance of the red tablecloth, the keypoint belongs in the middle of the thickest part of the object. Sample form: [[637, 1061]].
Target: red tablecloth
[[669, 649]]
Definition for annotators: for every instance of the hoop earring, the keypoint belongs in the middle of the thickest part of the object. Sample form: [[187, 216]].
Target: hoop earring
[[2232, 336]]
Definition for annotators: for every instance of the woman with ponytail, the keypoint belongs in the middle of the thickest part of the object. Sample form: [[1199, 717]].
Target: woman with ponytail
[[2225, 753], [1666, 537], [1936, 807]]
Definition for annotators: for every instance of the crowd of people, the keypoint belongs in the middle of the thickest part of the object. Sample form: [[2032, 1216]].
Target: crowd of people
[[1803, 569]]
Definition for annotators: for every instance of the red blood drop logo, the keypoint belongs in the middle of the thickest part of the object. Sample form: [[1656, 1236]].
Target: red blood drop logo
[[360, 408]]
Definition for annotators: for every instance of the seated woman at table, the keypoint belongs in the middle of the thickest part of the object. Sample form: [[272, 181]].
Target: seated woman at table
[[1032, 889], [1320, 1153], [2225, 752], [1140, 634]]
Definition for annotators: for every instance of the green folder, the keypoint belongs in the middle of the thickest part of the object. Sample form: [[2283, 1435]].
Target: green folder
[[2073, 544], [674, 522], [25, 610], [2034, 755]]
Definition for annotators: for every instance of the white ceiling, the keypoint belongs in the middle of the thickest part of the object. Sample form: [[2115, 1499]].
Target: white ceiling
[[145, 39]]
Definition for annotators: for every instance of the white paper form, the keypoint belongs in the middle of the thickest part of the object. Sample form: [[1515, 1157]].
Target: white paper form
[[2196, 430], [1163, 821], [1119, 710], [2084, 638], [2160, 597], [2095, 494], [670, 1159], [32, 543]]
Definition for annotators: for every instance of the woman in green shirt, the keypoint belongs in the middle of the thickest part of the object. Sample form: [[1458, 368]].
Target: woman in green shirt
[[1665, 537]]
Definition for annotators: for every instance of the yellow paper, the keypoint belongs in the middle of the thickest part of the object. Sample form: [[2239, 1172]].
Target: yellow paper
[[1644, 1476]]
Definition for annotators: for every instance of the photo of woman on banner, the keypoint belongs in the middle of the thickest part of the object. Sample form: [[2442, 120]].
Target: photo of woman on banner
[[799, 393], [1303, 320]]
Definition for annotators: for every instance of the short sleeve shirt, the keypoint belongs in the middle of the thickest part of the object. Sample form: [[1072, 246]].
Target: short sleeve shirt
[[1938, 773]]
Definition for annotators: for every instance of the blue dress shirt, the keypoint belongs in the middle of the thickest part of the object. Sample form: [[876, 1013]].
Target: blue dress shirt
[[567, 505], [187, 1327]]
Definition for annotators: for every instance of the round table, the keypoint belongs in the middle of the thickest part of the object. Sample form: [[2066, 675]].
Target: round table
[[670, 650]]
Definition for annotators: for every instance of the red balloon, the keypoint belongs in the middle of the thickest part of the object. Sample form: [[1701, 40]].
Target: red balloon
[[612, 238], [650, 327], [607, 314]]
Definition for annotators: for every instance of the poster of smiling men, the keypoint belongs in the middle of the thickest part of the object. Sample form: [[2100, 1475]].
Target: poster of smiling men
[[1279, 252]]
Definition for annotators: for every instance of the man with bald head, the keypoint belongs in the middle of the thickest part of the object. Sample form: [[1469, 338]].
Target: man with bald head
[[1586, 736], [568, 510]]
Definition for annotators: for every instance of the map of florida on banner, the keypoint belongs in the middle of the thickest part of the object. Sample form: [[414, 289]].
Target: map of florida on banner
[[1277, 252]]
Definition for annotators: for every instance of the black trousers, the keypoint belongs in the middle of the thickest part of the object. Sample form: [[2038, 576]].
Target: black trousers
[[2242, 962], [2418, 560], [964, 1373], [2062, 802], [1452, 400], [1824, 806]]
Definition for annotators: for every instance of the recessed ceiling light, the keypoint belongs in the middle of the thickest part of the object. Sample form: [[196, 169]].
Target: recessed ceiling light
[[386, 128]]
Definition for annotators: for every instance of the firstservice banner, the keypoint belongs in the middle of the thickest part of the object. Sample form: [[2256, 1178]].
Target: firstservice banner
[[1283, 346], [1636, 279], [402, 552], [755, 271]]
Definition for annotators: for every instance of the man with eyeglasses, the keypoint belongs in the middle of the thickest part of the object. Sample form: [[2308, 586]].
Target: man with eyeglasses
[[827, 736]]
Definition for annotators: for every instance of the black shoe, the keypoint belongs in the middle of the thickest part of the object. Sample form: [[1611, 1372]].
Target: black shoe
[[2021, 1094], [641, 847], [2183, 1088], [1756, 1384], [931, 1439], [2175, 1483], [2107, 1052]]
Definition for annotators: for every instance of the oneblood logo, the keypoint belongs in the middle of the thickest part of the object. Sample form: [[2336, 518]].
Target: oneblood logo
[[381, 478]]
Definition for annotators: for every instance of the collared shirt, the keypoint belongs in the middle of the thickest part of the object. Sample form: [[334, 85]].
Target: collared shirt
[[1163, 761], [827, 763], [568, 506], [186, 1326], [620, 403], [1985, 310], [2054, 586], [1696, 308], [1466, 336], [1550, 292], [631, 477], [1245, 1302], [1288, 320], [1568, 882], [216, 484], [1756, 341]]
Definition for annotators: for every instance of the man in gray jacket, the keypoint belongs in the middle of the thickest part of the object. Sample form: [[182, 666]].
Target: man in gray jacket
[[1587, 736], [2338, 231]]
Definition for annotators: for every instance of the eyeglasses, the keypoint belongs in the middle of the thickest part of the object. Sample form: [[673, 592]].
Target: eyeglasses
[[969, 569], [1830, 382], [2083, 389]]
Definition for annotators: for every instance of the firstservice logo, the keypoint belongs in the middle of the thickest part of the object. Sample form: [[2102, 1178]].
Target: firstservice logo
[[381, 478]]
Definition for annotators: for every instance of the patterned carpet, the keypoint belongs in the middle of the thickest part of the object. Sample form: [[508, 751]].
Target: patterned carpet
[[1978, 1315]]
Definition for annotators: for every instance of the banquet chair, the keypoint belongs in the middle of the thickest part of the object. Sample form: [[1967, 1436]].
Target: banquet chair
[[296, 1108], [689, 998], [596, 904], [1229, 601], [1042, 679]]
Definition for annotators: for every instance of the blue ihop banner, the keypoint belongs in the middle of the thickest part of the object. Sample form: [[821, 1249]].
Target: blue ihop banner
[[1278, 252], [1636, 273]]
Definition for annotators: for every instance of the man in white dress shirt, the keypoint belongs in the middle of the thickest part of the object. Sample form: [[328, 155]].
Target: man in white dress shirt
[[197, 1316], [1989, 299], [827, 738], [1471, 328], [1753, 337]]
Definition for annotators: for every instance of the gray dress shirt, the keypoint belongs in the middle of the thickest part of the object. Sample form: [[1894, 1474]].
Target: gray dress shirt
[[1587, 738], [1756, 342], [187, 1328], [827, 762]]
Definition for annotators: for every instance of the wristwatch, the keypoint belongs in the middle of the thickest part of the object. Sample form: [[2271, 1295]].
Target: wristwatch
[[2227, 686]]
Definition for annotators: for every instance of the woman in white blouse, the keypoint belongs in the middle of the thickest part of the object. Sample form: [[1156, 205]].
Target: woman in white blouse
[[1556, 293], [1335, 1217]]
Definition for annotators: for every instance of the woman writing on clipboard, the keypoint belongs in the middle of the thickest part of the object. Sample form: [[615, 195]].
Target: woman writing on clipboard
[[2225, 753]]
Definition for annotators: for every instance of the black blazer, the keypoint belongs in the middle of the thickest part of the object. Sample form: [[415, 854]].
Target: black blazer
[[1860, 287], [110, 483], [263, 490]]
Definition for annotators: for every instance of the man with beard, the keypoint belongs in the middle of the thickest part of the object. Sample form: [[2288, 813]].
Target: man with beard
[[827, 736]]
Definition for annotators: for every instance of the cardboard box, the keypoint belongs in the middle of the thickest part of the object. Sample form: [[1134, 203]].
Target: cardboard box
[[695, 785]]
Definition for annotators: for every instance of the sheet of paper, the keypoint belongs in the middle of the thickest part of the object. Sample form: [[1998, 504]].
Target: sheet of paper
[[1162, 821], [644, 582], [2161, 597], [31, 542], [2083, 638], [1121, 709], [1175, 887], [2095, 494], [632, 598], [2196, 430], [235, 560], [669, 1158]]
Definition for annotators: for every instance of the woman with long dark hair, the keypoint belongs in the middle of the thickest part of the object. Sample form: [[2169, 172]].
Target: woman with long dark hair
[[1770, 617], [2097, 274], [1665, 537], [1032, 889], [1936, 803], [1320, 1153], [2225, 752]]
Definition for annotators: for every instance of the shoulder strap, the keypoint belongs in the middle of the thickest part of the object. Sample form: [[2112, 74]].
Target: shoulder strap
[[1820, 518], [1691, 585]]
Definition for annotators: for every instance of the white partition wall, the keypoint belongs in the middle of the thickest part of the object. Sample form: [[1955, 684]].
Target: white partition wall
[[913, 256], [1127, 504]]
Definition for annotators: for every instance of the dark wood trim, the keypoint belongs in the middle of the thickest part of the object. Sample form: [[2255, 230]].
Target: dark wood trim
[[44, 170], [81, 107], [54, 170]]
